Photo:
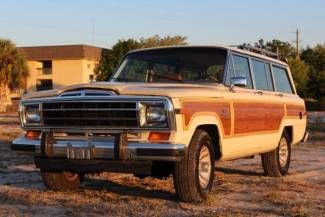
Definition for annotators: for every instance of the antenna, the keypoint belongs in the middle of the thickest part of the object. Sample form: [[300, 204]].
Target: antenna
[[92, 31], [297, 42]]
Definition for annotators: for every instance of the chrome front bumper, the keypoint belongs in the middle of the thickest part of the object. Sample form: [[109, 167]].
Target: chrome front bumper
[[101, 149]]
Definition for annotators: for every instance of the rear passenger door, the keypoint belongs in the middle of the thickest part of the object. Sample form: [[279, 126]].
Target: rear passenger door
[[264, 85], [247, 108], [248, 104]]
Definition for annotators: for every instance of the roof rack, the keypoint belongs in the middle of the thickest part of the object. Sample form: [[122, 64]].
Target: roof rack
[[258, 50]]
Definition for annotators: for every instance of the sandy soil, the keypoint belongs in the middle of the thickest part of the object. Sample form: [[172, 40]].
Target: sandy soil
[[240, 189]]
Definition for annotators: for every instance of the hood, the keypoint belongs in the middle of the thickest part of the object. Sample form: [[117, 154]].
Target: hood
[[148, 89]]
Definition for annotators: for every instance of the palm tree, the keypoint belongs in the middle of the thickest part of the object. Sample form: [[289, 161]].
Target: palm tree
[[13, 71]]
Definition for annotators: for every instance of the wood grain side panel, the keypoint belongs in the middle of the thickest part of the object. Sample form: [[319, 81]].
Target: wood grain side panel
[[273, 116], [256, 117], [220, 109], [296, 110], [249, 117]]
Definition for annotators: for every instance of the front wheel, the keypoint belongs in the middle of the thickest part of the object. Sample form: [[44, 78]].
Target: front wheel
[[193, 175], [61, 181], [276, 163]]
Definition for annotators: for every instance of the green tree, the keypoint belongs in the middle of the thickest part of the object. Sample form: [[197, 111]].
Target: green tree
[[299, 70], [315, 57], [111, 58], [13, 71]]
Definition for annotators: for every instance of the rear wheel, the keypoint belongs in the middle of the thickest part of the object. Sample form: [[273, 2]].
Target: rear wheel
[[276, 163], [61, 181], [193, 175]]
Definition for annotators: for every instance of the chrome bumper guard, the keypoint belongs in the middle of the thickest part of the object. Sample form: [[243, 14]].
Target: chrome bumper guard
[[100, 149]]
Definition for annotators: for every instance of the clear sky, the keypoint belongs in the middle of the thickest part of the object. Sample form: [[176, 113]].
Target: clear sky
[[103, 22]]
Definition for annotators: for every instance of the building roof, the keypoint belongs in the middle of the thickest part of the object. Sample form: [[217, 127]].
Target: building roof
[[62, 52]]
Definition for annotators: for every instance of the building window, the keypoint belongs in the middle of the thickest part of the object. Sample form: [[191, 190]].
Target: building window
[[46, 67], [44, 84], [92, 78]]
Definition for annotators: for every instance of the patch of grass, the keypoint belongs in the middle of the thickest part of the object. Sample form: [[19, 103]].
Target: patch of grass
[[274, 197]]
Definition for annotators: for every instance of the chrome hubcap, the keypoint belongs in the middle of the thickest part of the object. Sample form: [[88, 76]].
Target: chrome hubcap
[[204, 166], [283, 152]]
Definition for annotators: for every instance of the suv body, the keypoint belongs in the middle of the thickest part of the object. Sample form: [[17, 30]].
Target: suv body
[[172, 110]]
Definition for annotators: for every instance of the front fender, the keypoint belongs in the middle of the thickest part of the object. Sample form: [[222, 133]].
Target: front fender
[[185, 131]]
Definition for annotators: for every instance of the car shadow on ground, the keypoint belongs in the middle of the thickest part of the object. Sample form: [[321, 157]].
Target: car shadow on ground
[[238, 171], [32, 181], [128, 189]]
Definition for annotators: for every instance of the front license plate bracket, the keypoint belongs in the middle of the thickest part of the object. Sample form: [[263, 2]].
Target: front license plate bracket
[[80, 153]]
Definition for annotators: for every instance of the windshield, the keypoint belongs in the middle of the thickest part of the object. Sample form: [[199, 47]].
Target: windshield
[[173, 65]]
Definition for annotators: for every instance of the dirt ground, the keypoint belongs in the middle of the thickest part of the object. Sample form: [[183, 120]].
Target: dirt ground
[[240, 189]]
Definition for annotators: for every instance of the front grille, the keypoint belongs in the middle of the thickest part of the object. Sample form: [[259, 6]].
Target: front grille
[[90, 114]]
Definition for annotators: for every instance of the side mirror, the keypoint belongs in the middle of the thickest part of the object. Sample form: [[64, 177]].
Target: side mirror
[[238, 81]]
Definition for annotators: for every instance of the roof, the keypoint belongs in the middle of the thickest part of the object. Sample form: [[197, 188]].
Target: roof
[[235, 49], [62, 52]]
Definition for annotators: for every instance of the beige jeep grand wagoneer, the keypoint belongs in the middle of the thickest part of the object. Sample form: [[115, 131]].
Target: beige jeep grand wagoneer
[[171, 110]]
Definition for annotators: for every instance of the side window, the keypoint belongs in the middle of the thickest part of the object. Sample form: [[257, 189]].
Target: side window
[[240, 69], [281, 80], [260, 75]]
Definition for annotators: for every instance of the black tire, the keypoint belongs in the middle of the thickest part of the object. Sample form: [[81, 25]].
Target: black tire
[[82, 177], [61, 181], [271, 161], [186, 172]]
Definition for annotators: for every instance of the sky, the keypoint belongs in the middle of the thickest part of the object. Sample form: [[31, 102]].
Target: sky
[[205, 22]]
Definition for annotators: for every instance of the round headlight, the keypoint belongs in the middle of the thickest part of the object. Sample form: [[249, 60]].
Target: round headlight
[[155, 114]]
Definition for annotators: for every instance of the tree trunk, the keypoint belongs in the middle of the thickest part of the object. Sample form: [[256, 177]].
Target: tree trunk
[[4, 97]]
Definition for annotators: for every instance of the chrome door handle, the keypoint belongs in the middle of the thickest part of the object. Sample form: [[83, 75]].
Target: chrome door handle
[[279, 94]]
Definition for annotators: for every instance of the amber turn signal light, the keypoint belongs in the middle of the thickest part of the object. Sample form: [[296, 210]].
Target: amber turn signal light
[[32, 134], [154, 136]]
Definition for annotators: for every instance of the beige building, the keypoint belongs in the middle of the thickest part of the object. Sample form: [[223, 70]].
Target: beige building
[[53, 67]]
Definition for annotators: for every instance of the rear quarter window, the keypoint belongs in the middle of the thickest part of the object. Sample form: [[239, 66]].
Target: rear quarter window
[[281, 80]]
